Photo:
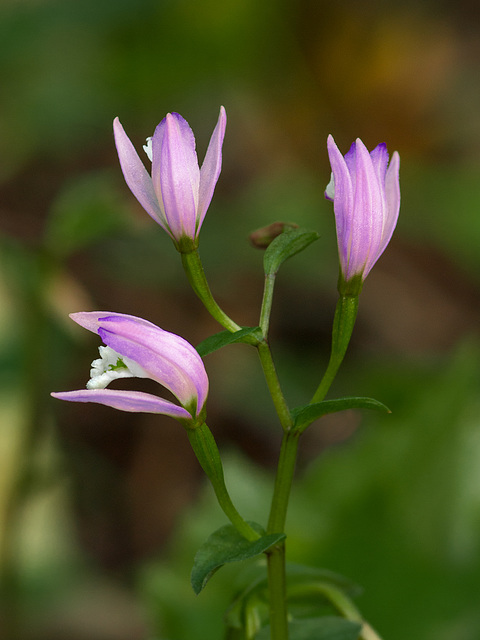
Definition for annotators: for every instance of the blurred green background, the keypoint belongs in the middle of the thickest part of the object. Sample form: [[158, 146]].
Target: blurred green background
[[101, 512]]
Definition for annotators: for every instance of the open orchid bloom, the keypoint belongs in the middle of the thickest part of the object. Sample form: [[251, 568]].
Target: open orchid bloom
[[138, 348], [178, 193], [365, 191]]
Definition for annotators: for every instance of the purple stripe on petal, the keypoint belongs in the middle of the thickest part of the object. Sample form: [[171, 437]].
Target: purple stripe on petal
[[91, 319], [136, 176], [211, 167], [134, 401], [379, 157]]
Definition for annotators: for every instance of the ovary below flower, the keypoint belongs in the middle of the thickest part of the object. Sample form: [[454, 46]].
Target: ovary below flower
[[178, 192], [365, 191], [138, 348]]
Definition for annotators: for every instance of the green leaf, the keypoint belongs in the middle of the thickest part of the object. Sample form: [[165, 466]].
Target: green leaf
[[303, 416], [326, 628], [227, 545], [219, 340], [286, 245]]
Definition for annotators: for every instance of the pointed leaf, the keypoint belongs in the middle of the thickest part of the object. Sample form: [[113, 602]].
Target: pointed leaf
[[286, 245], [227, 545], [303, 416], [326, 628], [219, 340]]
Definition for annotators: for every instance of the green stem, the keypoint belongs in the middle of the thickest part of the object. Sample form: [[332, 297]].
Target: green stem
[[283, 482], [284, 477], [277, 593], [276, 524], [267, 303], [343, 323], [196, 276], [206, 450], [273, 384]]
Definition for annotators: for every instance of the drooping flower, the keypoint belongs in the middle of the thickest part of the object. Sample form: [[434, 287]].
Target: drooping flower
[[138, 348], [365, 190], [178, 192]]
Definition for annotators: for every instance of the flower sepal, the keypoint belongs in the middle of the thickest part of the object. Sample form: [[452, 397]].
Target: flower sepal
[[185, 244]]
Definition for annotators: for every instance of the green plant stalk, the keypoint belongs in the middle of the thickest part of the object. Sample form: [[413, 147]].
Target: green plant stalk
[[267, 303], [276, 524], [196, 276], [206, 450], [343, 323], [273, 384], [284, 476]]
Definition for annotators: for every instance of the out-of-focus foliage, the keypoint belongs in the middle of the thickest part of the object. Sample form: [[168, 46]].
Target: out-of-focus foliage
[[98, 514]]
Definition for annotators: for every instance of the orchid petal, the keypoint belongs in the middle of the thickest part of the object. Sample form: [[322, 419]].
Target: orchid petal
[[134, 401], [176, 175], [343, 198], [367, 221], [136, 176], [211, 167]]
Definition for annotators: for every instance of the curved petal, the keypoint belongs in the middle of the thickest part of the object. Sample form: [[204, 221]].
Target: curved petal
[[211, 167], [91, 319], [176, 175], [136, 176], [343, 200], [134, 401], [392, 198]]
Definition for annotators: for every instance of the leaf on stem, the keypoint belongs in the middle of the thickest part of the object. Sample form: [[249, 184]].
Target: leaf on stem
[[219, 340], [286, 245], [304, 416], [228, 545], [325, 628]]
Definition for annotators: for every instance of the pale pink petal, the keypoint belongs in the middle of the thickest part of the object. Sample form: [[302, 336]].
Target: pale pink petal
[[176, 175], [211, 168], [343, 200], [136, 176], [134, 401]]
